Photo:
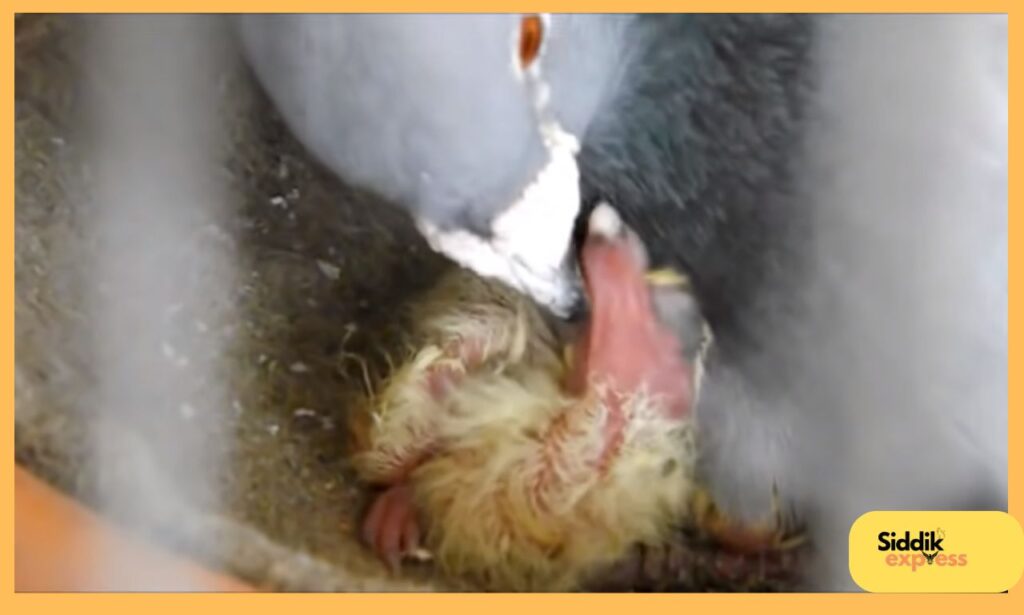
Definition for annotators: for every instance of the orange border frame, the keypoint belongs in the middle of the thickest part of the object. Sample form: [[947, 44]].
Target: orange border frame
[[474, 603]]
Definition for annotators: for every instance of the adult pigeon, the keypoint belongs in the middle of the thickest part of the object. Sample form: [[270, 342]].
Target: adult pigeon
[[834, 186]]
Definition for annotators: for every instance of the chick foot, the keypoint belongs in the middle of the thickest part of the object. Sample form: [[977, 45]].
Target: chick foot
[[391, 528]]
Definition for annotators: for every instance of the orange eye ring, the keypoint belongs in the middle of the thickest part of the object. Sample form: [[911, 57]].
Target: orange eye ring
[[531, 35]]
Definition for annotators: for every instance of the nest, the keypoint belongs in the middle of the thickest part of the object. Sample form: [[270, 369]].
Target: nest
[[324, 267]]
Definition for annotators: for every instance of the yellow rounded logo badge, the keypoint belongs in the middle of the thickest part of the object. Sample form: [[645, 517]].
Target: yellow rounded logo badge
[[936, 551]]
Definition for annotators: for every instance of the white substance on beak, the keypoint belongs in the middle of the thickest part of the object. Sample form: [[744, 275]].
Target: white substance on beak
[[531, 238]]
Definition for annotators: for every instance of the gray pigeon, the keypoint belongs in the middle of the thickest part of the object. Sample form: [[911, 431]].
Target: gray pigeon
[[835, 186]]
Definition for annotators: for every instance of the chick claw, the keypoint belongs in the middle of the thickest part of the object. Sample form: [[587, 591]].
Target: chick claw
[[391, 528]]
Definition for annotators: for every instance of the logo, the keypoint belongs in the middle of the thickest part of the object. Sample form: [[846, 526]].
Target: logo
[[936, 551], [917, 550]]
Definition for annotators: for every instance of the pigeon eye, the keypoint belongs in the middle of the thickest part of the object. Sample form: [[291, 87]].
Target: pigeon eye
[[531, 35]]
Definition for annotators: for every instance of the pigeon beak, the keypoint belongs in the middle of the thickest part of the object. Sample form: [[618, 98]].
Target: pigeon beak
[[553, 285], [528, 246]]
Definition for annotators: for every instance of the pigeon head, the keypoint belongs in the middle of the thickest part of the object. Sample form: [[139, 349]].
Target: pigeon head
[[470, 122]]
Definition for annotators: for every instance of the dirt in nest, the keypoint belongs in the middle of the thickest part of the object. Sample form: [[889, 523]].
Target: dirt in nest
[[322, 263]]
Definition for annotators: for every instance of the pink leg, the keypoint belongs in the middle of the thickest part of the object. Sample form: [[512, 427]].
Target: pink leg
[[390, 528]]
